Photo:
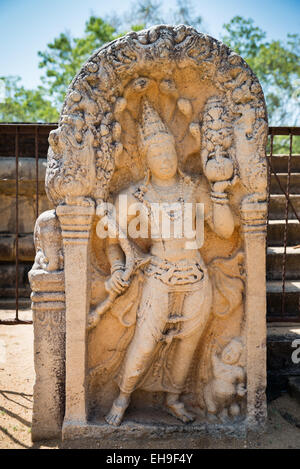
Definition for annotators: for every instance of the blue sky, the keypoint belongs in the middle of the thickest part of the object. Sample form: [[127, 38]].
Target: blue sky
[[26, 26]]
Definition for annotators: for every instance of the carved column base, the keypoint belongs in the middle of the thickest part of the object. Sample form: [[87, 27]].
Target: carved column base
[[48, 307], [76, 223], [254, 228]]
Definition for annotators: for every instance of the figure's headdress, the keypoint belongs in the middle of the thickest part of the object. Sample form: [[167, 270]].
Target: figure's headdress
[[151, 128]]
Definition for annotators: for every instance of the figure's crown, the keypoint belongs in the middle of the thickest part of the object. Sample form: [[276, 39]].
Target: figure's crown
[[152, 127]]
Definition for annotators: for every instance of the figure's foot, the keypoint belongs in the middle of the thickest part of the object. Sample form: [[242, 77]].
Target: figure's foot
[[177, 409], [212, 417], [234, 410], [223, 416], [116, 413]]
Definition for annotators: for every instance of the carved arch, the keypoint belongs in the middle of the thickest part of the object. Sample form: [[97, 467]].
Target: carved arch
[[90, 153]]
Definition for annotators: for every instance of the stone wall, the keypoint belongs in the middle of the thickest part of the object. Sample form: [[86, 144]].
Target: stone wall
[[27, 216]]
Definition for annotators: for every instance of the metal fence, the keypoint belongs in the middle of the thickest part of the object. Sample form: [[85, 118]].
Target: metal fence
[[290, 208], [13, 138], [18, 140]]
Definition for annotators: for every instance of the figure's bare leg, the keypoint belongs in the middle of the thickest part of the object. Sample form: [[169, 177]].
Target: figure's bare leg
[[116, 413], [234, 409], [177, 409], [211, 407], [224, 415], [93, 319]]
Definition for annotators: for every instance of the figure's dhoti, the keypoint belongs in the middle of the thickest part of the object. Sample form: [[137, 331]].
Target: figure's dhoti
[[173, 312]]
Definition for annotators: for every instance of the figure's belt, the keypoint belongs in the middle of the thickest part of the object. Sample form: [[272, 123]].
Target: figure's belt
[[179, 273]]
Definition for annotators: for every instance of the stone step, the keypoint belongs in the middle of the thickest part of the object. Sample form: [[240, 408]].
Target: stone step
[[276, 232], [275, 257], [8, 279], [294, 387], [10, 304], [292, 299], [26, 176], [26, 251], [277, 206], [27, 212], [283, 178], [26, 168], [281, 368], [280, 163]]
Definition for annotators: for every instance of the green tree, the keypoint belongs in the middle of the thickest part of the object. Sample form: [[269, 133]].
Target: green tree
[[65, 55], [276, 64], [149, 12], [22, 105]]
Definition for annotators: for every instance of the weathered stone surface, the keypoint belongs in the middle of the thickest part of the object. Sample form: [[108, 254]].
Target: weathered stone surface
[[294, 387], [160, 323], [155, 429], [48, 307]]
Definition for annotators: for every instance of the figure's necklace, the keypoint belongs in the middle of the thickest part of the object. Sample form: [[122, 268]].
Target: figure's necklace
[[164, 193]]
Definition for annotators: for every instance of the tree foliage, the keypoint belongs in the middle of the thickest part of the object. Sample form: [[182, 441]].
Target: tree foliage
[[22, 105], [276, 62], [65, 55], [149, 12]]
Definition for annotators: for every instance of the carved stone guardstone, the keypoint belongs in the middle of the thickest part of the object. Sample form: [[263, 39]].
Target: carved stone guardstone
[[139, 332]]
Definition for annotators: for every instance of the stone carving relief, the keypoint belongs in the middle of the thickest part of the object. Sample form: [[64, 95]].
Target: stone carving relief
[[224, 392], [172, 118], [48, 306]]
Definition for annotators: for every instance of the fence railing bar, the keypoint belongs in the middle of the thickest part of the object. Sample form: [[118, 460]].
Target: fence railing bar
[[286, 225], [36, 147], [17, 221], [282, 189], [284, 130], [269, 186], [16, 320]]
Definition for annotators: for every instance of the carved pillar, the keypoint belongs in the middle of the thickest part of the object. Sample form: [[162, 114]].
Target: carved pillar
[[254, 228], [48, 307], [75, 223]]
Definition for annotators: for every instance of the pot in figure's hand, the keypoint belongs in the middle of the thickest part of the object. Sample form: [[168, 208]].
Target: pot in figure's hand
[[219, 169]]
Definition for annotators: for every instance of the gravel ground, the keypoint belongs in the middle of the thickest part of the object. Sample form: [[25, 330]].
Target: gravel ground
[[16, 383]]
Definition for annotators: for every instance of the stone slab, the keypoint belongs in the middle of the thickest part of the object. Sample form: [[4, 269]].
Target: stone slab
[[132, 430], [294, 387]]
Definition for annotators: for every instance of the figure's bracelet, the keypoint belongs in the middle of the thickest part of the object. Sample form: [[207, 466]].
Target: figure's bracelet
[[116, 266], [220, 198]]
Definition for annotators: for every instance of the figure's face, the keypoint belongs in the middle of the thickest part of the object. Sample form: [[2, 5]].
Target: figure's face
[[231, 353], [162, 159]]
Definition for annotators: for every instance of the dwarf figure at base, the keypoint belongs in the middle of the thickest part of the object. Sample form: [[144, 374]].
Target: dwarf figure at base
[[227, 386]]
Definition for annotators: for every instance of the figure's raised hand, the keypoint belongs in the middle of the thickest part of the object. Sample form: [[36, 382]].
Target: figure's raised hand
[[117, 283], [221, 186]]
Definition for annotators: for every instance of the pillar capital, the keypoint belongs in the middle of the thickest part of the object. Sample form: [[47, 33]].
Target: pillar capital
[[253, 215], [76, 221]]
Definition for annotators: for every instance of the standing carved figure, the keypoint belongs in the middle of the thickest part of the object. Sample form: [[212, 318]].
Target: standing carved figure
[[161, 148], [177, 295]]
